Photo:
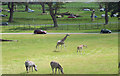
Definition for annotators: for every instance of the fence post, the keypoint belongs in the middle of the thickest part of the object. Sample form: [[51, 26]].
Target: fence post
[[79, 26], [116, 25], [34, 27], [85, 26], [24, 26], [67, 27], [91, 25], [29, 26], [97, 25], [110, 25], [62, 27], [45, 26]]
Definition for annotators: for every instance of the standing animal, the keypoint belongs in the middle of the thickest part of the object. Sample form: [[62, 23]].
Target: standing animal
[[29, 64], [61, 42], [80, 47], [56, 65]]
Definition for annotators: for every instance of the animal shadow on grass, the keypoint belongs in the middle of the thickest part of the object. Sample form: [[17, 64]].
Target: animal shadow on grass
[[55, 51]]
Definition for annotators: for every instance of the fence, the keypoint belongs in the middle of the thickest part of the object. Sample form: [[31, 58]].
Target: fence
[[82, 26]]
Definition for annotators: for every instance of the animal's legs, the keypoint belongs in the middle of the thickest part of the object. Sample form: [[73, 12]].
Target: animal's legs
[[59, 71], [84, 51], [32, 68], [52, 70], [81, 51], [77, 51], [55, 70], [28, 69], [61, 47], [64, 45]]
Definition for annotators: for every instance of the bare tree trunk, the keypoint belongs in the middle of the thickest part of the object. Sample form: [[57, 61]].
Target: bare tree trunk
[[11, 8], [43, 7], [119, 11], [54, 20], [53, 15], [106, 14], [26, 7]]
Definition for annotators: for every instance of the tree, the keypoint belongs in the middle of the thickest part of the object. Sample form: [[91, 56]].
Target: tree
[[43, 6], [106, 13], [52, 13], [26, 6], [113, 7], [11, 8], [109, 7], [53, 8]]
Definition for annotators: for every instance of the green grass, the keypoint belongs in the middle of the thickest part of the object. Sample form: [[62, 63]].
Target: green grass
[[74, 7], [86, 28], [101, 56], [35, 18]]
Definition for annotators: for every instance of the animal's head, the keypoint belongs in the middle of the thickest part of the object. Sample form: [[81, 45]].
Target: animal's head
[[67, 35], [35, 66], [62, 70], [85, 46]]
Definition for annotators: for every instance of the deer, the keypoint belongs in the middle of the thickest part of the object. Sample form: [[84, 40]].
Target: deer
[[56, 65], [29, 64], [80, 47]]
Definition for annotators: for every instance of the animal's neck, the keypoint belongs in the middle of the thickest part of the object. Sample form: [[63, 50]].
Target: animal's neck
[[64, 38], [59, 66]]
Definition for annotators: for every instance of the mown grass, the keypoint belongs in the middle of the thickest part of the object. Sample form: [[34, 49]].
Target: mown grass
[[101, 56], [37, 18]]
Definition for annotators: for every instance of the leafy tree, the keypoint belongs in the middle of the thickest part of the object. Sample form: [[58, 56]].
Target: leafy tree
[[109, 7], [53, 8]]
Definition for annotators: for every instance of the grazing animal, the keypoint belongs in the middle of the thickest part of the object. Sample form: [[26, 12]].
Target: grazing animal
[[56, 65], [61, 42], [79, 48], [29, 64]]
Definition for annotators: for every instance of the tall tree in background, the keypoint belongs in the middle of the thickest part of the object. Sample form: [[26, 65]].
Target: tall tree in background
[[52, 13], [106, 13], [119, 10], [43, 6], [109, 7], [53, 8], [11, 8], [26, 6]]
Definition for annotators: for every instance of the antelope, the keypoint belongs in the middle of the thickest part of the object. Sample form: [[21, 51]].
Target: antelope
[[79, 48], [29, 64], [56, 65]]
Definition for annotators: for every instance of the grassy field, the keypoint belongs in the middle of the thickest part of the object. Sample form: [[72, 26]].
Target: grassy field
[[101, 56], [35, 18], [74, 8]]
